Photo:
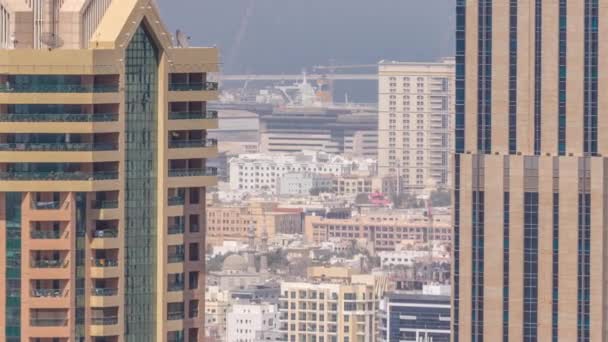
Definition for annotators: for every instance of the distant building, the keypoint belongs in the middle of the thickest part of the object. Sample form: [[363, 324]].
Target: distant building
[[415, 318], [353, 185], [217, 302], [246, 320], [416, 110], [232, 222], [334, 307], [258, 293], [262, 172], [380, 234], [317, 129], [303, 183]]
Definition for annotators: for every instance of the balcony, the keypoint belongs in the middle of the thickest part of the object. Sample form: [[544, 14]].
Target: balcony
[[104, 320], [211, 114], [176, 200], [193, 86], [176, 229], [105, 234], [47, 293], [58, 88], [58, 117], [57, 176], [48, 322], [104, 263], [193, 143], [175, 287], [207, 172], [104, 204], [175, 258], [45, 234], [175, 316], [58, 147], [104, 292], [46, 205], [49, 264]]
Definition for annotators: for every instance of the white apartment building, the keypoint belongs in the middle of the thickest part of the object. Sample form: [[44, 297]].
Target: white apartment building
[[246, 320], [256, 172], [415, 114]]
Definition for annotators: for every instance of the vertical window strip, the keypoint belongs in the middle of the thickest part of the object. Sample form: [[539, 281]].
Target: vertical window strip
[[456, 281], [555, 285], [505, 271], [512, 76], [537, 74], [460, 76], [477, 297], [562, 96], [484, 101], [13, 266], [584, 267], [590, 87], [530, 309]]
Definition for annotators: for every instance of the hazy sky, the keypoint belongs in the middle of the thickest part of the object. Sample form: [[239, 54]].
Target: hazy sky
[[283, 36]]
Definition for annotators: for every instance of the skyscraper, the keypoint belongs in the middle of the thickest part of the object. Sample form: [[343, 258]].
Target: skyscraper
[[103, 173], [531, 178]]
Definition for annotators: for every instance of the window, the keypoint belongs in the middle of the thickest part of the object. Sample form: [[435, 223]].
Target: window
[[194, 195]]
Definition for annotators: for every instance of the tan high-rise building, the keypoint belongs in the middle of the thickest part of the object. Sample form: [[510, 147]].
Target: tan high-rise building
[[103, 152], [415, 104], [531, 176]]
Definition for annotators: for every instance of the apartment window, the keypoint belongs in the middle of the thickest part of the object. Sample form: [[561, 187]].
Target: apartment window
[[194, 195], [478, 266], [584, 265], [530, 266], [193, 280]]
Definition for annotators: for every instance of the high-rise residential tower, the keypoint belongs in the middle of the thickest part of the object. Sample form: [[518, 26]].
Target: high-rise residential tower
[[415, 104], [531, 173], [103, 173]]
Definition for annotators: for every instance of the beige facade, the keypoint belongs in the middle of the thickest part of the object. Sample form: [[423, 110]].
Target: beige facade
[[232, 223], [531, 182], [353, 185], [381, 234], [102, 173], [331, 308], [415, 118]]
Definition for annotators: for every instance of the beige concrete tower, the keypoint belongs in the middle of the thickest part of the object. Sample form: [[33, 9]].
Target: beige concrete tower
[[103, 148], [531, 178]]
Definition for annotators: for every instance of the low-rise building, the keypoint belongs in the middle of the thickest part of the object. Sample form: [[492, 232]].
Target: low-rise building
[[232, 222], [332, 306], [217, 302], [353, 185], [303, 184], [415, 317], [245, 321], [381, 234]]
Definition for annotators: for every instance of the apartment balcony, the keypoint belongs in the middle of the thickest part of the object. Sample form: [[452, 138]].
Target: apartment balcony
[[175, 287], [45, 234], [104, 268], [189, 120], [104, 204], [193, 91], [104, 326], [46, 298], [185, 149], [48, 322], [176, 229], [185, 178], [176, 201], [104, 297], [58, 147], [59, 152], [175, 316], [45, 264], [175, 258], [58, 118], [77, 181]]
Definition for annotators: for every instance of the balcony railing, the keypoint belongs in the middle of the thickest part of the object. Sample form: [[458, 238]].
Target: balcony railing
[[48, 322], [175, 287], [192, 143], [105, 204], [104, 292], [176, 200], [193, 86], [58, 88], [210, 171], [46, 205], [105, 233], [104, 320], [175, 258], [59, 147], [58, 117], [176, 229], [44, 293], [51, 176], [210, 114], [49, 264], [173, 316], [45, 234], [104, 263]]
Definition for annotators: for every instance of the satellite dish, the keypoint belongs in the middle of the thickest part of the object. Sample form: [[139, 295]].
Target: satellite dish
[[50, 39], [183, 41]]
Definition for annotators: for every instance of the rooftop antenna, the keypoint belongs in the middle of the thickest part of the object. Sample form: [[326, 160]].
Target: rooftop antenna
[[183, 41]]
